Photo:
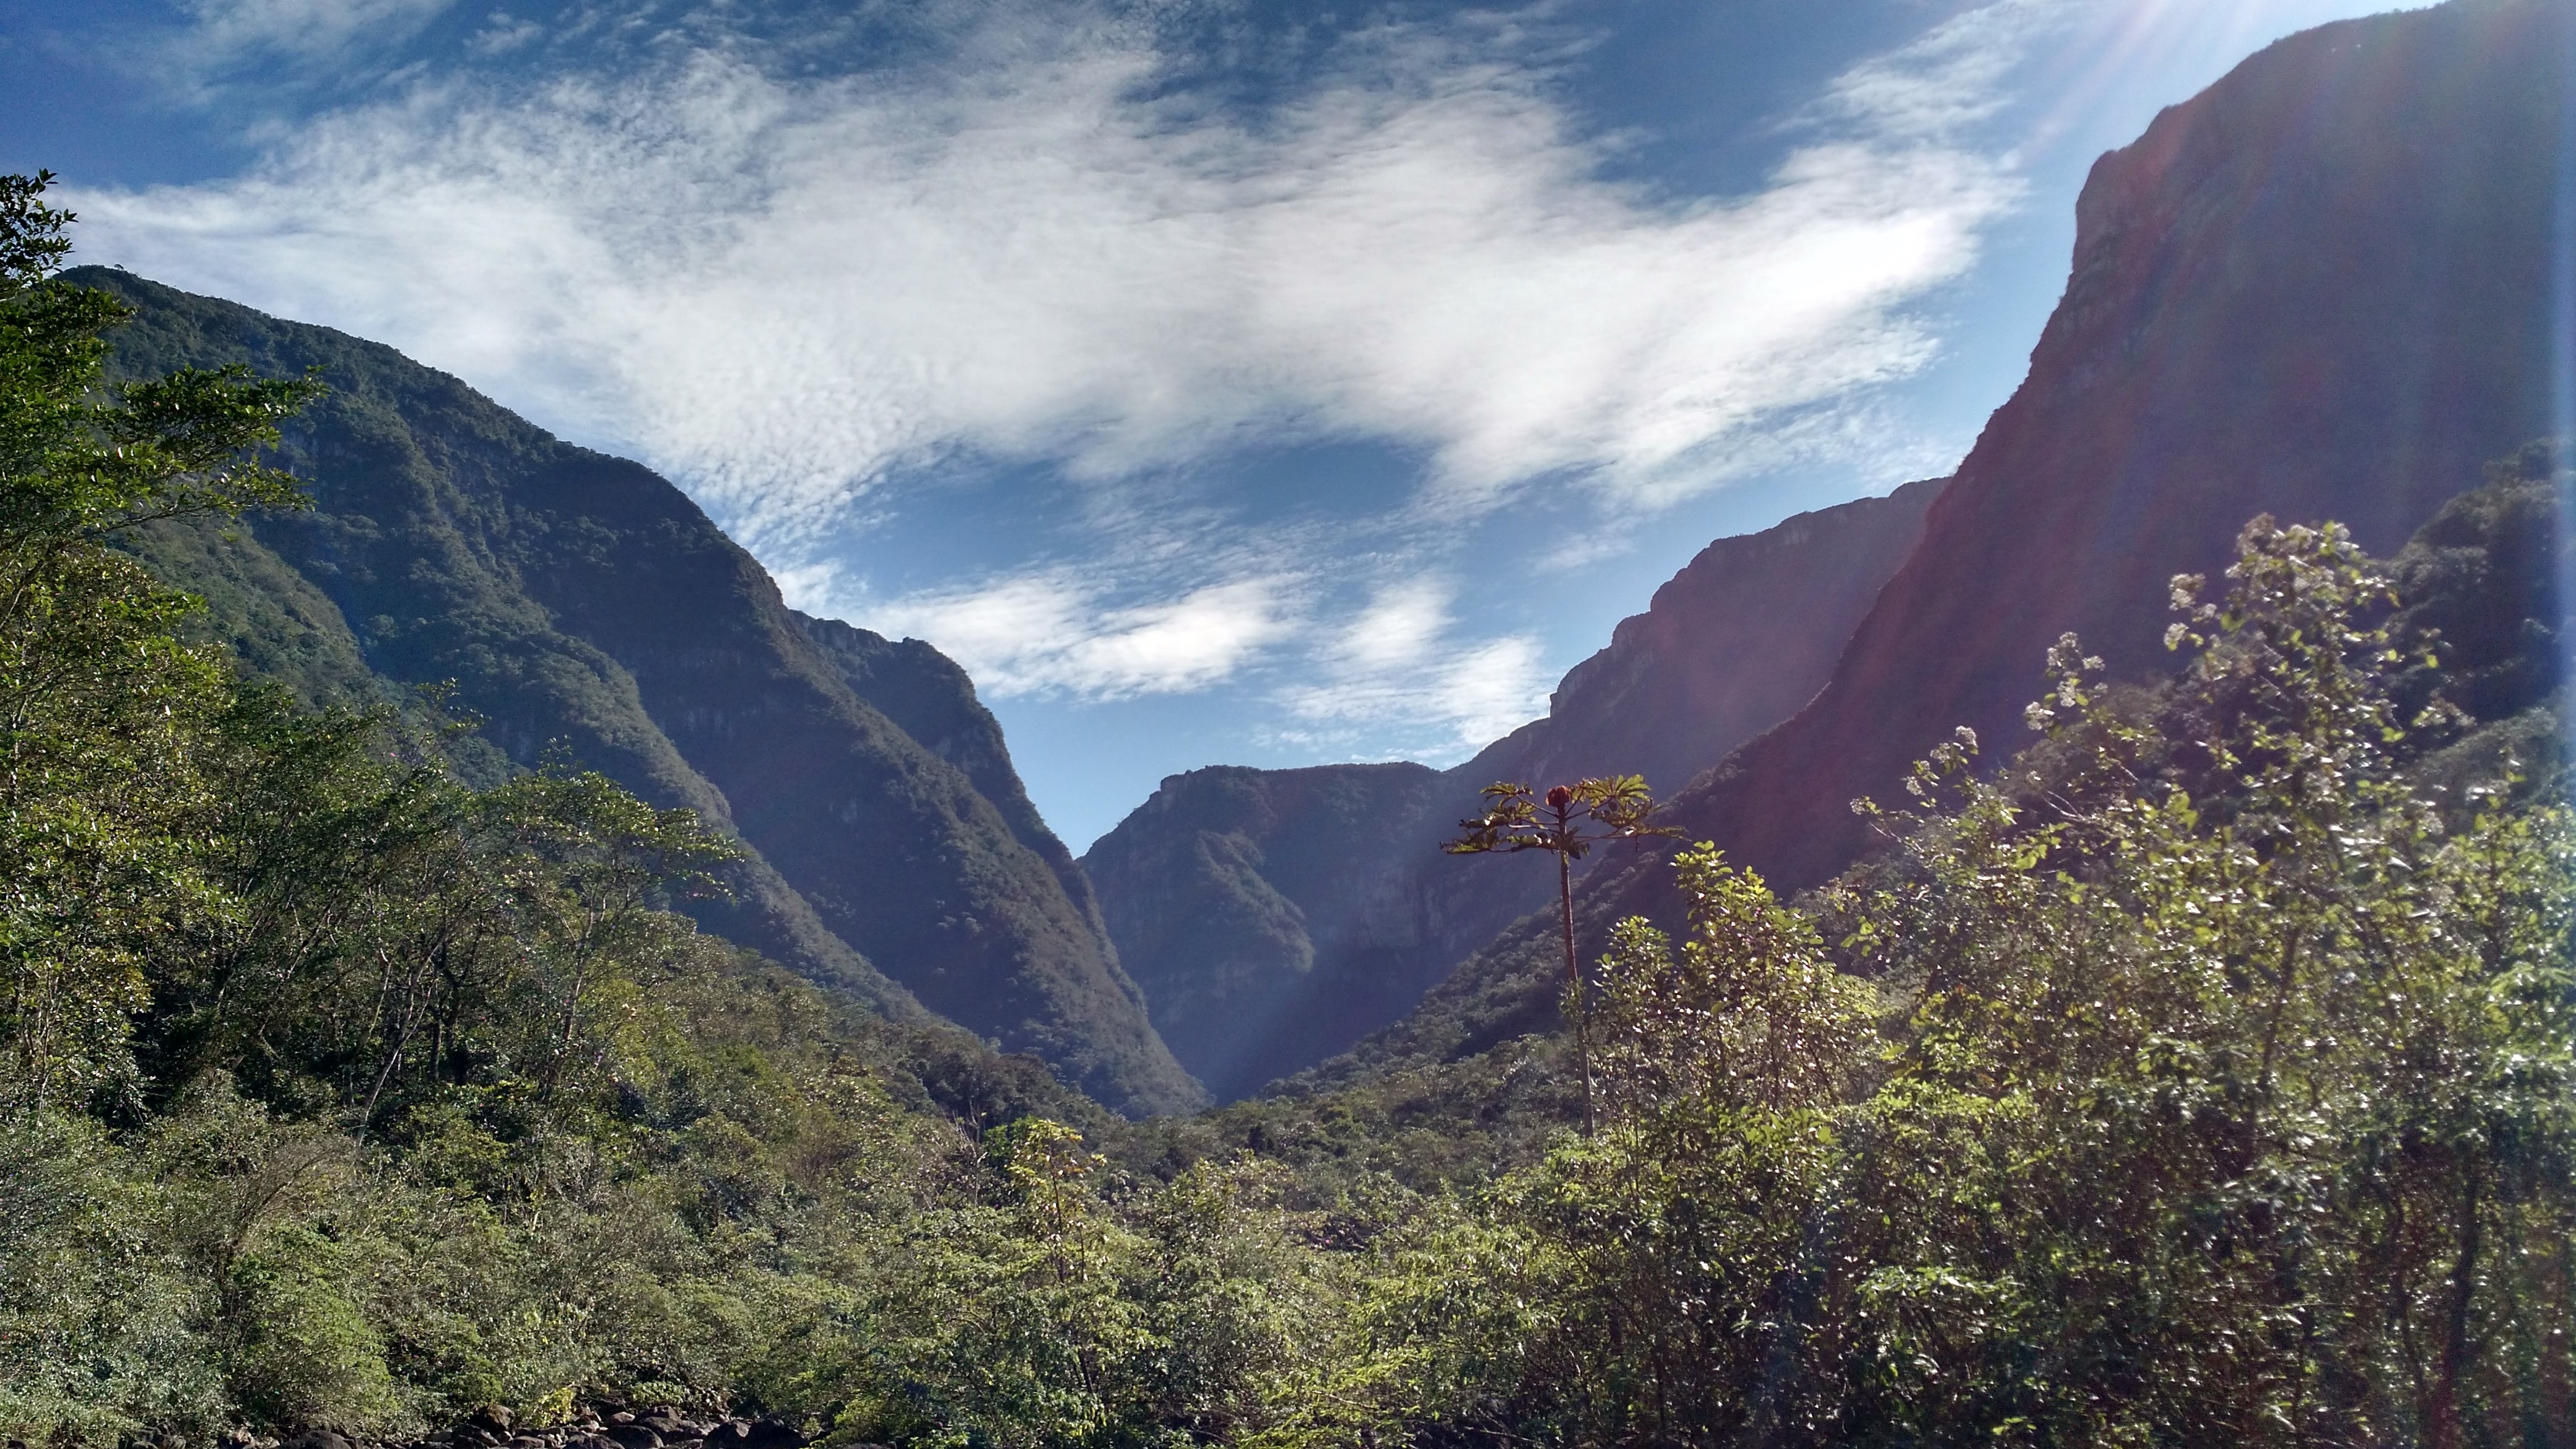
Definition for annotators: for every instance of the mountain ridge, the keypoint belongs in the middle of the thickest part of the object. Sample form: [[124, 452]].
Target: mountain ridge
[[578, 601], [2320, 289]]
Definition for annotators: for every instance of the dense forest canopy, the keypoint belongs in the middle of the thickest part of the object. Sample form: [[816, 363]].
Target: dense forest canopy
[[2202, 1074]]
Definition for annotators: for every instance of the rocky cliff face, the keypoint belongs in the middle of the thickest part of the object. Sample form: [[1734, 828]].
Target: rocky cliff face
[[579, 602], [1733, 644], [1274, 917], [2322, 289], [1231, 886]]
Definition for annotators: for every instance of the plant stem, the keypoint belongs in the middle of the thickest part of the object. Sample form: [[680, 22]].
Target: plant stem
[[1574, 978]]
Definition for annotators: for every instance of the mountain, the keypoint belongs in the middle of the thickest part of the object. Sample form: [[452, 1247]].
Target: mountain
[[2322, 289], [577, 603], [1231, 885], [1274, 917], [1733, 644]]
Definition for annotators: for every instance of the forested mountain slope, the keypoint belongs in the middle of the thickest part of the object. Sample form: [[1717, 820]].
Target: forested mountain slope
[[1242, 896], [1274, 917], [2205, 1076], [577, 601], [2321, 289]]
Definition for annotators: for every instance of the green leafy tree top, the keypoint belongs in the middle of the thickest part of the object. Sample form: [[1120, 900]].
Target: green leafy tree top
[[1568, 819], [78, 463], [103, 711]]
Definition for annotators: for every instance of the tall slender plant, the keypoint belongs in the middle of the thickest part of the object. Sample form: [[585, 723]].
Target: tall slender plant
[[1568, 820]]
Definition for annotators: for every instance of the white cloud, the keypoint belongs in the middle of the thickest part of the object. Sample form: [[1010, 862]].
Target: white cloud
[[1398, 668], [1049, 634], [226, 34], [1458, 699], [1399, 627], [789, 293], [502, 33], [1490, 690], [820, 586], [1951, 78], [785, 291]]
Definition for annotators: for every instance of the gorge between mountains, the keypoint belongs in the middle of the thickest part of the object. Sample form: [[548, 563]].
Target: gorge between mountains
[[480, 970], [2322, 289]]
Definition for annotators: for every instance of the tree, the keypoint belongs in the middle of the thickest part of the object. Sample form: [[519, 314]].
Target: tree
[[2201, 1077], [1568, 821], [103, 710]]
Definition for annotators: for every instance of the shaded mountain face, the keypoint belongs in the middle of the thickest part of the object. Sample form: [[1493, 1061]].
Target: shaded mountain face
[[929, 697], [579, 603], [2322, 289], [1229, 885], [1274, 917]]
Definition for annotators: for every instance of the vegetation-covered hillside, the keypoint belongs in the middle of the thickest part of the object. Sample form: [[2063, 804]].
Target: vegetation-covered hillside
[[1263, 911], [576, 602], [2206, 1076]]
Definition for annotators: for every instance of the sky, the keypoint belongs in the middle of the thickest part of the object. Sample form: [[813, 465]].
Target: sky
[[1221, 381]]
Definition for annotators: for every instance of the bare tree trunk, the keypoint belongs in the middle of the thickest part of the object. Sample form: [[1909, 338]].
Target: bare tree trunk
[[1574, 982], [2442, 1427], [414, 1000]]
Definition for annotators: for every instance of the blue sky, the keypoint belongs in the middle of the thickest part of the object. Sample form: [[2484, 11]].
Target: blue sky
[[1222, 381]]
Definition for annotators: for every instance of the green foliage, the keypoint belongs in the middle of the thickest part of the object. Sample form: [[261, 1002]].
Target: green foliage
[[101, 785], [1752, 1017], [2260, 1079], [101, 1320], [1568, 820], [2205, 1077], [2220, 1093]]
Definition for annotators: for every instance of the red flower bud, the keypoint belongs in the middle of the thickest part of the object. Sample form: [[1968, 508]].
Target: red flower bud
[[1559, 797]]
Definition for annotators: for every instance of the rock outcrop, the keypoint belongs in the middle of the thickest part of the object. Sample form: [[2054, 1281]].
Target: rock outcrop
[[2322, 289]]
